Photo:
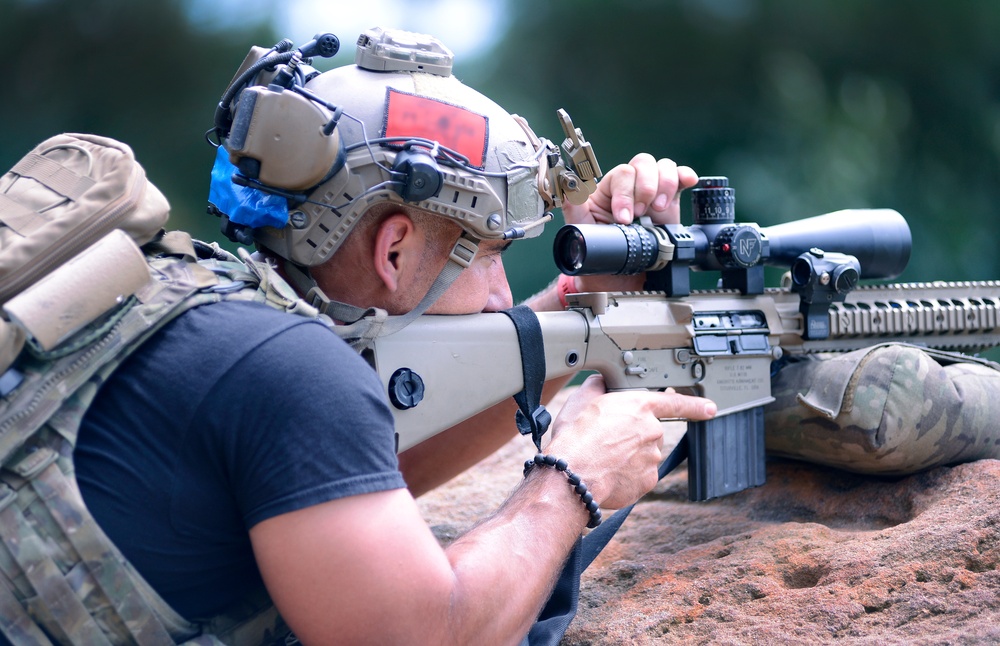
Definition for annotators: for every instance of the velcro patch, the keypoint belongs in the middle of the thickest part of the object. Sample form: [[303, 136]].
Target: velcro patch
[[408, 116]]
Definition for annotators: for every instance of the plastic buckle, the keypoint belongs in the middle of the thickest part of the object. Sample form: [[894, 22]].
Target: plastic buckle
[[9, 381], [464, 251], [537, 425]]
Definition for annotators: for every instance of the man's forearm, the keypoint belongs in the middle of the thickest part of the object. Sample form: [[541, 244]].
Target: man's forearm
[[532, 532]]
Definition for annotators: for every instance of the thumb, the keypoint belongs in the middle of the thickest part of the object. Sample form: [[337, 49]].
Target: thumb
[[593, 385]]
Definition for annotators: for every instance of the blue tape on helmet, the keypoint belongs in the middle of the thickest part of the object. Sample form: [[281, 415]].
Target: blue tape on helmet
[[241, 204]]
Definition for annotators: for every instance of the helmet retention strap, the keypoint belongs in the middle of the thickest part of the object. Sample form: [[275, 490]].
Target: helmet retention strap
[[363, 325]]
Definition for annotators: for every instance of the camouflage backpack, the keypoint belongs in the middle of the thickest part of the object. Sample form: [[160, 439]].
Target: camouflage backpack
[[86, 275]]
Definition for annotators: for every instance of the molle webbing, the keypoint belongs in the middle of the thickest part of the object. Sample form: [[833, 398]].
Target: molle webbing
[[59, 178], [61, 578], [53, 500]]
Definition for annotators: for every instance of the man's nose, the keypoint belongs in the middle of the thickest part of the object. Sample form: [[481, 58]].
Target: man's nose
[[500, 297]]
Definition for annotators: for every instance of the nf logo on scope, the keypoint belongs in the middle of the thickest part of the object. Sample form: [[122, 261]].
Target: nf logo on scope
[[740, 246]]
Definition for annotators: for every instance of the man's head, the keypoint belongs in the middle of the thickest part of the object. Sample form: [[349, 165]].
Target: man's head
[[391, 128], [393, 135]]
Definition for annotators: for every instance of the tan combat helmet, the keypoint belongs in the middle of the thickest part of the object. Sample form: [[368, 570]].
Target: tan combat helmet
[[396, 126]]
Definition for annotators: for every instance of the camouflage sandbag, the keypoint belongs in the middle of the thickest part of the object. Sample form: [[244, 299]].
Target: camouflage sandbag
[[891, 409]]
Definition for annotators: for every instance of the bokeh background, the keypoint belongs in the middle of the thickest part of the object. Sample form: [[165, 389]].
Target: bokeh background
[[807, 107]]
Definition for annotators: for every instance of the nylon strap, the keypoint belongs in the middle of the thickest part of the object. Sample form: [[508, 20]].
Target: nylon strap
[[16, 624], [21, 219], [90, 543], [531, 417], [66, 609], [53, 175], [364, 325], [560, 609]]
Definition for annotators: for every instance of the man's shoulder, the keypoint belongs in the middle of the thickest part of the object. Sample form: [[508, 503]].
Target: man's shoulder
[[231, 316], [246, 324], [217, 338]]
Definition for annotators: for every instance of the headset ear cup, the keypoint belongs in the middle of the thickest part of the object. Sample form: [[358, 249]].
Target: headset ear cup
[[278, 130], [340, 162], [418, 174]]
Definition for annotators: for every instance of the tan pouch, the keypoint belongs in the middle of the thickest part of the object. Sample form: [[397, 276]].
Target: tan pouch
[[66, 194], [80, 291]]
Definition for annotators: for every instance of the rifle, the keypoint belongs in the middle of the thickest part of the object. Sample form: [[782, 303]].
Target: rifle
[[718, 344]]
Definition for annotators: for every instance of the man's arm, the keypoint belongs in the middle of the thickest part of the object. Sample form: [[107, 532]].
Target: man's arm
[[366, 569]]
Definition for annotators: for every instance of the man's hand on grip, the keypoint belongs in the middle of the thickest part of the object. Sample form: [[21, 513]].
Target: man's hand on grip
[[613, 440]]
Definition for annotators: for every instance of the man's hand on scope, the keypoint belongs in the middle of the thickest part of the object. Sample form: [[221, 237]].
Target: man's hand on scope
[[643, 187], [614, 440]]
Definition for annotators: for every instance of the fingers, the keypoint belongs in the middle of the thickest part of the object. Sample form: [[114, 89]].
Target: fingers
[[670, 405], [673, 180], [615, 440], [633, 188], [662, 405], [644, 186]]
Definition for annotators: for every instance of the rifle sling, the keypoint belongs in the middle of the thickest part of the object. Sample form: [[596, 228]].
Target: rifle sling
[[531, 417]]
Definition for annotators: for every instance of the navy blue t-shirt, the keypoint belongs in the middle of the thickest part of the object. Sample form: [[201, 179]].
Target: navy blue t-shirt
[[232, 414]]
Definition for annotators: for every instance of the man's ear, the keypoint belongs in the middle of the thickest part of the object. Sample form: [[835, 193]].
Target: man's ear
[[397, 250]]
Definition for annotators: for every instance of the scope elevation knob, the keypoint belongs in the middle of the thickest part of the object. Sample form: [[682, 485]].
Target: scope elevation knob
[[713, 201], [738, 246]]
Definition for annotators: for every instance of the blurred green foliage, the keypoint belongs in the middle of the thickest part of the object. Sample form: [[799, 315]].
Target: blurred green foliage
[[808, 107]]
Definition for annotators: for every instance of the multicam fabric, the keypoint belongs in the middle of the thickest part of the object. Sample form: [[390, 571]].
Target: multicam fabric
[[891, 409], [61, 578]]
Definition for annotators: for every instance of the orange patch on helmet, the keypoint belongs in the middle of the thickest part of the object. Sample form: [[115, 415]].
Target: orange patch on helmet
[[408, 116]]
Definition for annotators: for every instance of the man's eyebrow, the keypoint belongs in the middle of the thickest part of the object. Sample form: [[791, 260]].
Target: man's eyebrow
[[506, 246]]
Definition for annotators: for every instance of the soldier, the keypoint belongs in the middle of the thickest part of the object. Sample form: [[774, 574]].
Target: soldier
[[243, 447]]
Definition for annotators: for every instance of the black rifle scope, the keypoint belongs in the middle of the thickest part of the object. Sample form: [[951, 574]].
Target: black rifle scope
[[878, 238]]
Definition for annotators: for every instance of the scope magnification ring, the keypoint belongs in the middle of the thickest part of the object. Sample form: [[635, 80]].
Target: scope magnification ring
[[641, 249]]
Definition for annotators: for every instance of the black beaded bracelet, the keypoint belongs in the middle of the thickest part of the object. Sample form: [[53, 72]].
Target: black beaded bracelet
[[560, 465]]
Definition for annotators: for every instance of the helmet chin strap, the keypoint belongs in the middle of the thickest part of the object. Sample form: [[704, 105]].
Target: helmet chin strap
[[363, 325]]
